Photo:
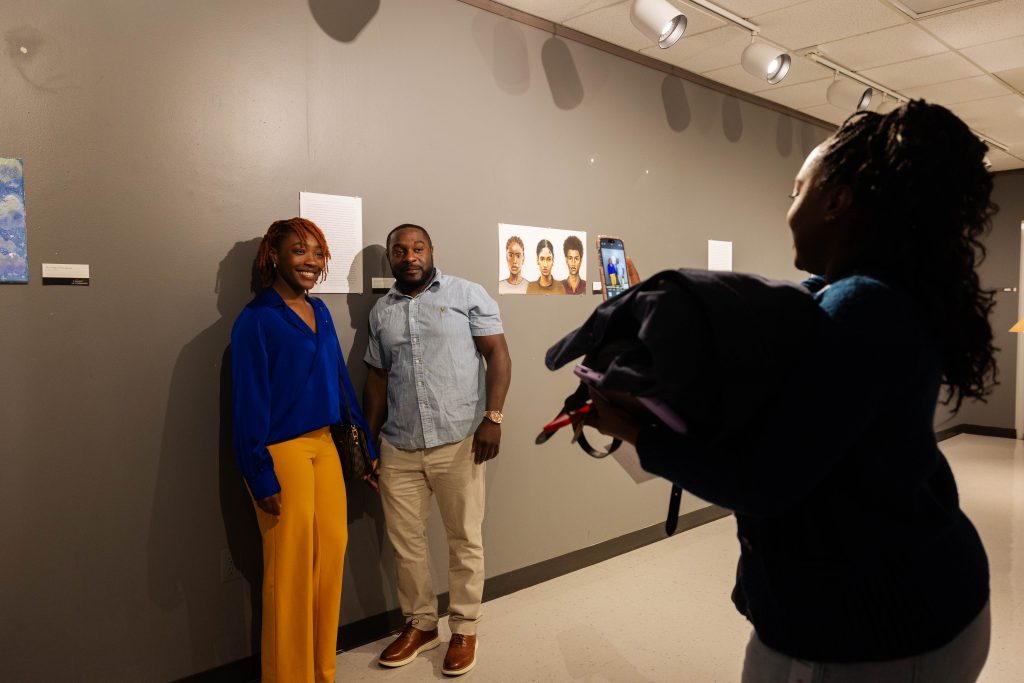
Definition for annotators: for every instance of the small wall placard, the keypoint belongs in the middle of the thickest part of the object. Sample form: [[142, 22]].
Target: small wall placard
[[66, 274]]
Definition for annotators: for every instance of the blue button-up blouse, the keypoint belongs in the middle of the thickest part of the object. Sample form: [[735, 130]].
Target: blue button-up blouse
[[287, 381]]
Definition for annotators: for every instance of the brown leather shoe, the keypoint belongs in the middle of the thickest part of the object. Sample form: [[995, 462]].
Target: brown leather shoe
[[461, 655], [409, 643]]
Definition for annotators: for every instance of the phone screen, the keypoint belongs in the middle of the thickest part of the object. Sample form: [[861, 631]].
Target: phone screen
[[613, 266]]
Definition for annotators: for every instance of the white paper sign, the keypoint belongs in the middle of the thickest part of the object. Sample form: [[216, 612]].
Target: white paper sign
[[341, 219], [719, 255]]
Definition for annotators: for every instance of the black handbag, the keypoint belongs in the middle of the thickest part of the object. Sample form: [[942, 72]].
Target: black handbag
[[353, 449]]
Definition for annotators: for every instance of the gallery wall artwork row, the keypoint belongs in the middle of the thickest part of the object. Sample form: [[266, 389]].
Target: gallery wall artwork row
[[534, 260], [13, 247]]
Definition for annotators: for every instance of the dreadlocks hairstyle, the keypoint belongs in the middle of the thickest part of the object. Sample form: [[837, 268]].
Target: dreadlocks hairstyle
[[919, 178], [263, 266]]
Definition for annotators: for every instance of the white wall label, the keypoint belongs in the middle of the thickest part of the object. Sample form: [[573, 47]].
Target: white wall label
[[66, 274], [719, 255]]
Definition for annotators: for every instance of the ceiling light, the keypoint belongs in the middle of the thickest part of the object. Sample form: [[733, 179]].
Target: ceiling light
[[765, 62], [847, 94], [888, 104], [658, 20]]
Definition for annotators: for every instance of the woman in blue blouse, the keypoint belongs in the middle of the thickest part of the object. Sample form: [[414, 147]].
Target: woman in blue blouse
[[290, 385], [856, 561]]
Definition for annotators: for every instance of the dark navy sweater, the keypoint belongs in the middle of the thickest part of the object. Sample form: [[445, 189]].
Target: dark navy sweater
[[853, 544]]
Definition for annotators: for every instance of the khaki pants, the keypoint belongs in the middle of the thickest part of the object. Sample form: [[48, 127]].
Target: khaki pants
[[407, 480]]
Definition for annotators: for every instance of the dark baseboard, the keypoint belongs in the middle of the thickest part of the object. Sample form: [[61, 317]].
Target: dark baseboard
[[980, 430], [377, 626], [977, 430], [242, 671]]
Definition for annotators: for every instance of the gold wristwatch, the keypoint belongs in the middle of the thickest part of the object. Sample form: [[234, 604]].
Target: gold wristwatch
[[494, 416]]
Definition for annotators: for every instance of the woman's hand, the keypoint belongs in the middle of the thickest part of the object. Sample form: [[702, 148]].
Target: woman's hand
[[632, 272], [271, 504], [371, 478], [610, 420]]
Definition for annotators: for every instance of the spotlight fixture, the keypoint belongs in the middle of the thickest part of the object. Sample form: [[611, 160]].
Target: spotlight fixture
[[765, 62], [888, 103], [848, 94], [658, 20]]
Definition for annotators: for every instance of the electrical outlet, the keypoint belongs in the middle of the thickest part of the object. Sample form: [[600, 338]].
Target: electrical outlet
[[228, 570]]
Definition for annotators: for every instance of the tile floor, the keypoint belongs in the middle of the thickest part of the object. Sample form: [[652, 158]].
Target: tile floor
[[662, 613]]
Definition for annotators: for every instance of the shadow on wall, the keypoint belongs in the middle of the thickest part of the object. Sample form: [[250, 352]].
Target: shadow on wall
[[39, 60], [784, 135], [810, 137], [562, 74], [732, 119], [502, 44], [343, 20], [677, 103], [198, 487], [368, 587]]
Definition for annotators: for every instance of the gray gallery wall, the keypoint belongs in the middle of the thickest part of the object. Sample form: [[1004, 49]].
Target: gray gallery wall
[[1000, 270], [161, 138]]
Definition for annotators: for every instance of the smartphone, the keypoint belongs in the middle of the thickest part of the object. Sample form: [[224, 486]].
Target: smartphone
[[611, 259], [657, 407]]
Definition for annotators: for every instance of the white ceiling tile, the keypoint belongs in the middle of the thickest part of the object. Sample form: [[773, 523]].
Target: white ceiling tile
[[896, 44], [964, 90], [1001, 161], [823, 21], [558, 10], [1001, 118], [947, 66], [706, 51], [827, 112], [698, 20], [977, 25], [1015, 77], [748, 9], [611, 24], [799, 96], [997, 56]]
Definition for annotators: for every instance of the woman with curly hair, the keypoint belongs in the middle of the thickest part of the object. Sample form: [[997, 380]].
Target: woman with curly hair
[[856, 562], [290, 385]]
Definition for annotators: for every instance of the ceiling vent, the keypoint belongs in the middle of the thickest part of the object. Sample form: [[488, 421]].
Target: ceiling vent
[[922, 9]]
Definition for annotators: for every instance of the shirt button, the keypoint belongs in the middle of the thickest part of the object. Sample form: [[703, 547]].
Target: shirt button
[[412, 320], [417, 360]]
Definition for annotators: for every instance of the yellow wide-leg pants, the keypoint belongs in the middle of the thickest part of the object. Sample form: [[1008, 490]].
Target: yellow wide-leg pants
[[303, 562]]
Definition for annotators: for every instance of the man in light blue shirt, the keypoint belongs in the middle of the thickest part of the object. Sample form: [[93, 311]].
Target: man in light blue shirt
[[439, 370]]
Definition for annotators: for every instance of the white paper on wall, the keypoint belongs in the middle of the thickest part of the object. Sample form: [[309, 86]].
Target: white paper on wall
[[341, 219], [719, 255]]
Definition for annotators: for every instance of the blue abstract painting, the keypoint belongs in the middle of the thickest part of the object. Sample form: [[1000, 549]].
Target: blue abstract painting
[[13, 249]]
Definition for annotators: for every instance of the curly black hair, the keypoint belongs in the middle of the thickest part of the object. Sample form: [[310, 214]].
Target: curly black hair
[[918, 173]]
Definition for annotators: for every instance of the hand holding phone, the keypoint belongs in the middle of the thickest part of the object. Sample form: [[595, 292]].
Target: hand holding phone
[[660, 409], [611, 259]]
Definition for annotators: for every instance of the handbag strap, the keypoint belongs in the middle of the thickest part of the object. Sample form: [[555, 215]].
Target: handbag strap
[[343, 394]]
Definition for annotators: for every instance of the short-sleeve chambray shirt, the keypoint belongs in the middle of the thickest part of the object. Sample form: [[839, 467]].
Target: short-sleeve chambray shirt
[[436, 387]]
